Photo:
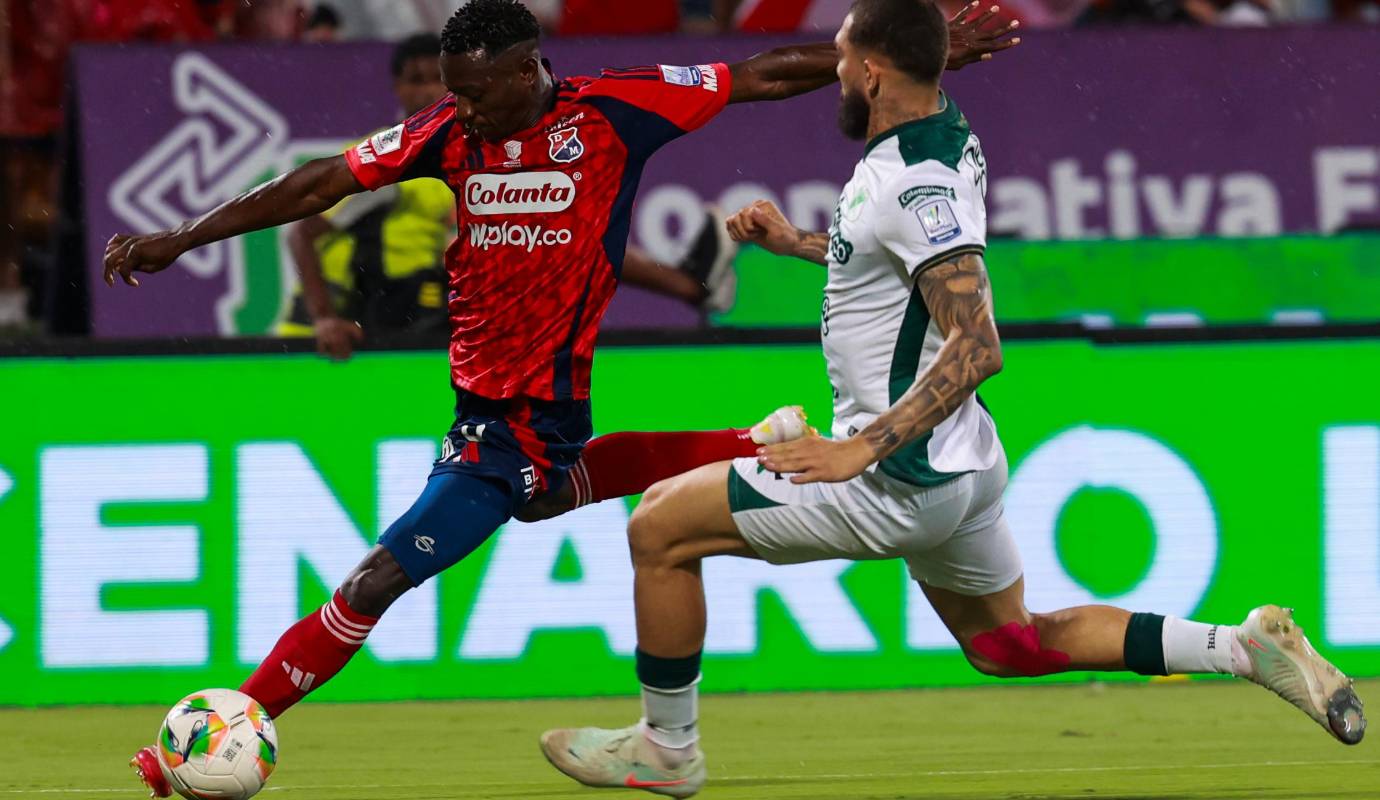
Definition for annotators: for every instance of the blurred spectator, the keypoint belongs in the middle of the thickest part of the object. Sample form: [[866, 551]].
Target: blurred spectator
[[395, 20], [1116, 12], [270, 20], [1356, 10], [618, 17], [373, 263], [1230, 13], [780, 16], [323, 25]]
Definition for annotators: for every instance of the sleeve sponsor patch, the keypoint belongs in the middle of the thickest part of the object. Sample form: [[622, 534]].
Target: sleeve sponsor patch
[[939, 221], [915, 193], [682, 76], [702, 75], [387, 141]]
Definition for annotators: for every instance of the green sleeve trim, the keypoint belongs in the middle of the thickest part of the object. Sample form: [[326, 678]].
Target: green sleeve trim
[[934, 261]]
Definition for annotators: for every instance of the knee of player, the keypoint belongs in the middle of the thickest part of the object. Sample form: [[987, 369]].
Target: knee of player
[[373, 585], [648, 529], [988, 666], [1013, 650], [540, 509]]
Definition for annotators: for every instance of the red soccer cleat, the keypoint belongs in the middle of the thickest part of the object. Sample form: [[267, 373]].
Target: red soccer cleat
[[146, 766]]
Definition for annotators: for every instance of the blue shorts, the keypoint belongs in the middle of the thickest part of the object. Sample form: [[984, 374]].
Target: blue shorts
[[495, 458]]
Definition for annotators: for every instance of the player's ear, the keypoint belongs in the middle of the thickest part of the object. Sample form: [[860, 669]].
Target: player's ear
[[872, 78], [530, 68]]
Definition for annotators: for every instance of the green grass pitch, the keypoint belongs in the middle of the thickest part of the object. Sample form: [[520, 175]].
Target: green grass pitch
[[1180, 741]]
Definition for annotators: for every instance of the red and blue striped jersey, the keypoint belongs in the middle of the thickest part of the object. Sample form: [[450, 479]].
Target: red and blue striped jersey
[[543, 216]]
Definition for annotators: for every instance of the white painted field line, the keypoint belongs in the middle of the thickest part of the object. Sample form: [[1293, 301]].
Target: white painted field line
[[749, 778]]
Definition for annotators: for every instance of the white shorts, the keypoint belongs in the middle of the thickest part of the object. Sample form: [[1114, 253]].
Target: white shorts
[[953, 536]]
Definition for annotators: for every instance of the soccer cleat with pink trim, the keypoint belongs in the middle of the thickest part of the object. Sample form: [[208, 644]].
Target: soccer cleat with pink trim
[[1283, 661], [150, 771], [621, 759]]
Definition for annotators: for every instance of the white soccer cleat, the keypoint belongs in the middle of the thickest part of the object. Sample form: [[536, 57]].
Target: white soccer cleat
[[710, 262], [622, 759], [785, 424], [1284, 662]]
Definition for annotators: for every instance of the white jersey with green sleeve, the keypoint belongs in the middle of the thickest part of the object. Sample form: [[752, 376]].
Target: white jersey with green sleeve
[[915, 200]]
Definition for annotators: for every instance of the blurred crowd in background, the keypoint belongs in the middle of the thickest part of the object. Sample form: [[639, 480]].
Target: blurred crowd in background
[[37, 35]]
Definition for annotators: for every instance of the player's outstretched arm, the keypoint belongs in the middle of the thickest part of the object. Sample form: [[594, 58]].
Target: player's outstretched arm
[[309, 189], [784, 72], [958, 295], [763, 224], [796, 69]]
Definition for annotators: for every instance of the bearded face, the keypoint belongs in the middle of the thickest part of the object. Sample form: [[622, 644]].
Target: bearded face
[[854, 113]]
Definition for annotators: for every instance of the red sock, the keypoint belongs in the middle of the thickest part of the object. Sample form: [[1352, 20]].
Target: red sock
[[307, 655], [622, 464]]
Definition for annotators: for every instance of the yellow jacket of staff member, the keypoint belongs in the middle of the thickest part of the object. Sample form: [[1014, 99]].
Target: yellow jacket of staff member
[[382, 260]]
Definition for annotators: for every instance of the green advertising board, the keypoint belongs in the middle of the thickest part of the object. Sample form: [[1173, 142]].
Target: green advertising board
[[1125, 283], [166, 517]]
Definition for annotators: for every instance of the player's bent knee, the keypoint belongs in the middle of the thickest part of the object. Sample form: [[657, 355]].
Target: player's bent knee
[[987, 666], [546, 506], [656, 494], [648, 532], [646, 541], [375, 583], [1013, 651]]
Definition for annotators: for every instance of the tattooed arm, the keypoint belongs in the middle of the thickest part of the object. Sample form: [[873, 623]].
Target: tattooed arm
[[763, 224], [960, 302], [959, 298]]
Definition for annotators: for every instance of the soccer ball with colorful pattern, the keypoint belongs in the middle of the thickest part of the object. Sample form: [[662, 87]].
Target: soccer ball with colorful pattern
[[217, 744]]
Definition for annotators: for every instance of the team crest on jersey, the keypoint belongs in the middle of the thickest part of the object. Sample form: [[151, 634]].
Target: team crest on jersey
[[566, 145]]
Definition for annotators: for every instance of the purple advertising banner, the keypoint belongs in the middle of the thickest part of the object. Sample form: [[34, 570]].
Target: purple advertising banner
[[1088, 134]]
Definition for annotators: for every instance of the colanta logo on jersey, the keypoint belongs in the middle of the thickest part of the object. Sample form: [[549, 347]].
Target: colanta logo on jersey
[[520, 193], [527, 237]]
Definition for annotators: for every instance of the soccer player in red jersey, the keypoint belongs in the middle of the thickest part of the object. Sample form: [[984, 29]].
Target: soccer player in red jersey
[[544, 171]]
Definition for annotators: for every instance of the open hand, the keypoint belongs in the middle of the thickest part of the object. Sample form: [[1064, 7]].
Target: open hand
[[968, 42], [814, 459], [126, 254], [763, 224]]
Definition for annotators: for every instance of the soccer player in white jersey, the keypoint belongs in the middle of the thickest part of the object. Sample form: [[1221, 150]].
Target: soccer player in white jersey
[[914, 469]]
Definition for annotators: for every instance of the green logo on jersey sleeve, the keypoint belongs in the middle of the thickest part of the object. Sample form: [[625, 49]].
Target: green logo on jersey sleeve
[[915, 192]]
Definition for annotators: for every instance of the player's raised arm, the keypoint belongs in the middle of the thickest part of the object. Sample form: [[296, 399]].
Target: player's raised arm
[[970, 38], [763, 224], [796, 69], [309, 189], [784, 72]]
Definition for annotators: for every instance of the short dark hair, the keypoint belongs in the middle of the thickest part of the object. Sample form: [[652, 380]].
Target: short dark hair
[[489, 25], [421, 45], [912, 33], [323, 15]]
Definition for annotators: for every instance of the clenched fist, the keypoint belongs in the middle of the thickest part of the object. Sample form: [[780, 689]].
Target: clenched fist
[[763, 224]]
